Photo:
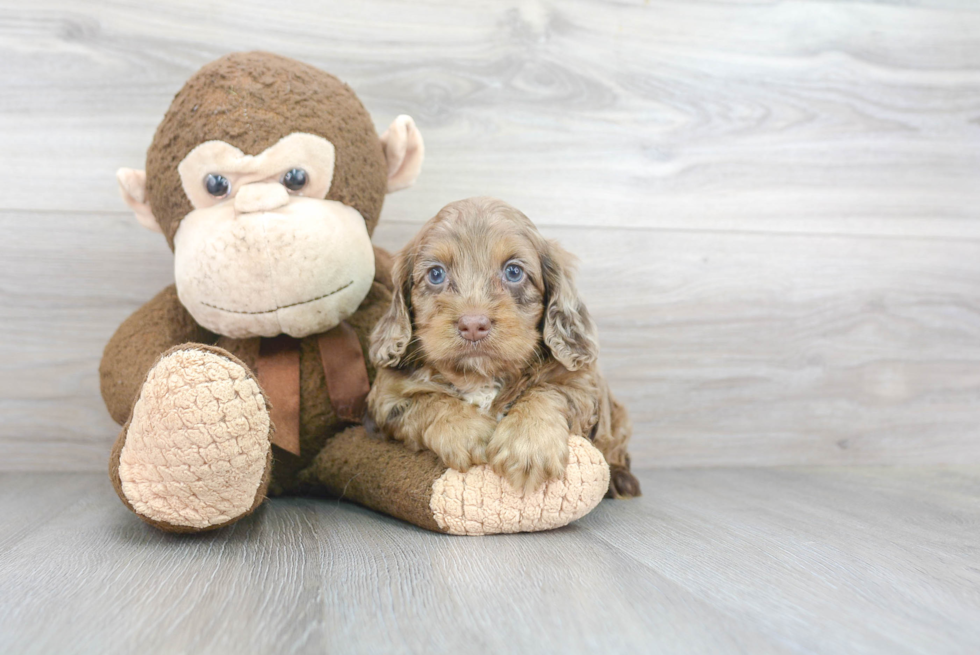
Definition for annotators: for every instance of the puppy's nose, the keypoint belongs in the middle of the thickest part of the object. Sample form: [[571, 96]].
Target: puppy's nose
[[260, 197], [473, 327]]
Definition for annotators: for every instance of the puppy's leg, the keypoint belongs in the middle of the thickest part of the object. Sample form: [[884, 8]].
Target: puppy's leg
[[453, 429], [530, 444], [424, 418], [611, 435]]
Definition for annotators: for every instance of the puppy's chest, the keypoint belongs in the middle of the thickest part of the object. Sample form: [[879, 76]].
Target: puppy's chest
[[484, 397]]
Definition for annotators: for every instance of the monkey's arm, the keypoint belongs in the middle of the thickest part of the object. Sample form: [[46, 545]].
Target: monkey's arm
[[152, 329], [422, 415]]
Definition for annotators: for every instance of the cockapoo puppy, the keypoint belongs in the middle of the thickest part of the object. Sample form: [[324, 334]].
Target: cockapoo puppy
[[487, 355]]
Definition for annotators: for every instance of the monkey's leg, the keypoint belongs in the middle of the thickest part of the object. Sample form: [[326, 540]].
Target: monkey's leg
[[196, 452], [416, 487]]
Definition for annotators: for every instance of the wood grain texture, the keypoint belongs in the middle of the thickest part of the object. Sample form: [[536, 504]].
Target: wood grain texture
[[775, 203], [708, 561], [748, 349], [795, 116]]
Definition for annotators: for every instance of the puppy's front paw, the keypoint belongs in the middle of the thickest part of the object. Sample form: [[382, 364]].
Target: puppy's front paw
[[460, 440], [529, 453]]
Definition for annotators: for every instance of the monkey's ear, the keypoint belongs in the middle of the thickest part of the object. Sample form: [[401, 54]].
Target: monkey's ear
[[568, 329], [132, 186], [392, 334], [404, 152]]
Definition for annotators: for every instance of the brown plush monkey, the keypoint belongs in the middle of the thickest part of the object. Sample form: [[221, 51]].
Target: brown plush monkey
[[248, 375]]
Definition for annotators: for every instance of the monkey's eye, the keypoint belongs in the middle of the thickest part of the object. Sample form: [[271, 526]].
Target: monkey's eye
[[437, 275], [513, 273], [294, 179], [217, 185]]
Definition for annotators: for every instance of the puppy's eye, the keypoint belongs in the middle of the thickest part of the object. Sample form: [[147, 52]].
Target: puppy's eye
[[294, 179], [437, 275], [217, 185], [513, 273]]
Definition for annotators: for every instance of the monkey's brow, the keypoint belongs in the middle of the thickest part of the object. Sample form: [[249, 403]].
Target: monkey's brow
[[269, 311]]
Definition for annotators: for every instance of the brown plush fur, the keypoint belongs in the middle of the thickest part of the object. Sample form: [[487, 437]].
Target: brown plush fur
[[152, 331], [513, 397], [251, 100], [137, 345], [382, 475]]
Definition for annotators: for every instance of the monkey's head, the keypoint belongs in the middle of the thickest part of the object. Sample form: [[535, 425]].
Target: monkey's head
[[267, 177]]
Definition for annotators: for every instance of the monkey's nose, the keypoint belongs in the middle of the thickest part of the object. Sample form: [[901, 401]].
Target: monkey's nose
[[473, 327], [260, 197]]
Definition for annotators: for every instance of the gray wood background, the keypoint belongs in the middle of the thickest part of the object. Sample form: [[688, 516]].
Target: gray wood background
[[775, 203]]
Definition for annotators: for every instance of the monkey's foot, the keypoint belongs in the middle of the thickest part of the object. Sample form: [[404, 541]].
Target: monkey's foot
[[480, 502], [196, 452]]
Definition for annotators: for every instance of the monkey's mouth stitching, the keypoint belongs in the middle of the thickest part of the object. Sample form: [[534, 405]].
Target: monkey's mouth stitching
[[269, 311]]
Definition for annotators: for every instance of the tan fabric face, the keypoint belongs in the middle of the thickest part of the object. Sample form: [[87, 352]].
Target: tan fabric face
[[312, 153], [261, 197], [298, 270]]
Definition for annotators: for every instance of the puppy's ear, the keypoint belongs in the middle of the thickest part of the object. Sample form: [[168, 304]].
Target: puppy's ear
[[392, 334], [568, 329]]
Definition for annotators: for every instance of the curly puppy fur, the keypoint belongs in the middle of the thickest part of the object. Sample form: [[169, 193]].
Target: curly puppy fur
[[482, 364]]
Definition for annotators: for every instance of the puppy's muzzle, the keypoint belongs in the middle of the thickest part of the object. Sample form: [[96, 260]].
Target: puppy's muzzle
[[473, 327]]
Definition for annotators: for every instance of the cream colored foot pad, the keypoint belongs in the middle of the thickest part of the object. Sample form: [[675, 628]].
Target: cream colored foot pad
[[197, 446], [479, 502]]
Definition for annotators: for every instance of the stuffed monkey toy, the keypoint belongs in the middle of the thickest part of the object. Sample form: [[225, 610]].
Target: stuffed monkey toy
[[247, 377]]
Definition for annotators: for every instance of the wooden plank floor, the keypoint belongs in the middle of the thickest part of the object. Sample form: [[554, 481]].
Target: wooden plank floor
[[777, 560]]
